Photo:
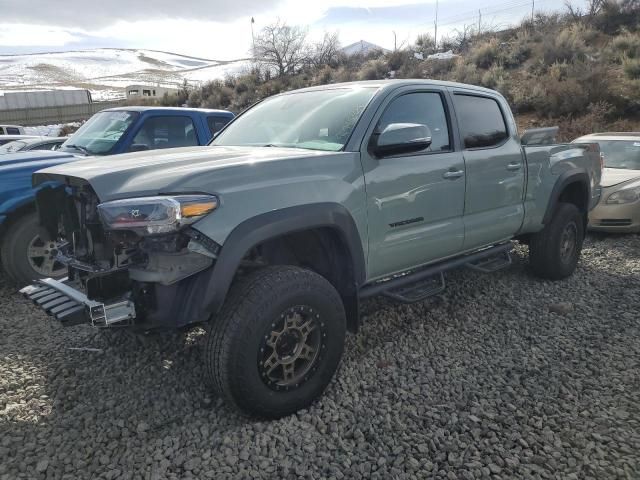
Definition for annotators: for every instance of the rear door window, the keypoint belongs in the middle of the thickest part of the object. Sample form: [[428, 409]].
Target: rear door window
[[166, 132], [13, 131], [481, 121]]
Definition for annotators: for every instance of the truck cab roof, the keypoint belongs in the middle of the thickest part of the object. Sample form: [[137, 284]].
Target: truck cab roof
[[396, 83], [161, 110]]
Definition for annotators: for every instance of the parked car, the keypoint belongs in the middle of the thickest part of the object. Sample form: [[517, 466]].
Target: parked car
[[305, 204], [4, 139], [12, 130], [35, 143], [25, 255], [619, 207]]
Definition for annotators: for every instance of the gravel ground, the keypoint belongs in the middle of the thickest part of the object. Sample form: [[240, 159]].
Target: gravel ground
[[502, 376]]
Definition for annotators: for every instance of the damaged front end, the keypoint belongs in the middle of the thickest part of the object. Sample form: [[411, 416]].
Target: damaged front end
[[132, 262]]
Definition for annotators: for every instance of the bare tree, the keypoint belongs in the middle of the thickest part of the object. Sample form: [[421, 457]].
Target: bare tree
[[281, 47], [593, 7], [462, 37], [326, 51]]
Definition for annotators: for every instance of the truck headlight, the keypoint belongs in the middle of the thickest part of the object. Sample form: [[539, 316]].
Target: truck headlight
[[152, 215], [625, 195]]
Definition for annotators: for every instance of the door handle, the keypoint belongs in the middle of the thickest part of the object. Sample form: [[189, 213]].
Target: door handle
[[453, 174], [514, 166]]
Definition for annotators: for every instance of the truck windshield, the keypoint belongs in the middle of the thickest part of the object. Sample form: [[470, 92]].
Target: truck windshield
[[14, 146], [621, 153], [100, 133], [314, 120]]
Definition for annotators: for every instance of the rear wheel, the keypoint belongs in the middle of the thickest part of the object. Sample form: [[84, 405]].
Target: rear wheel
[[555, 250], [277, 342], [26, 255]]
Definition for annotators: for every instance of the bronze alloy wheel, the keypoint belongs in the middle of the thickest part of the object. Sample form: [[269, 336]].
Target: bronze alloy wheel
[[292, 348], [277, 342]]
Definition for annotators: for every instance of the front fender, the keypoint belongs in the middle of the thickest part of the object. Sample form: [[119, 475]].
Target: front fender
[[273, 224]]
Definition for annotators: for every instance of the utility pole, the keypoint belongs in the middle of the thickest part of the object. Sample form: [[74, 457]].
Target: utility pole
[[479, 21], [395, 42], [435, 35], [253, 39], [533, 6]]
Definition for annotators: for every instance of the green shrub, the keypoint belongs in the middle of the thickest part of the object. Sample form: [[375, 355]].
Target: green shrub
[[439, 68], [466, 73], [631, 67], [567, 46], [396, 60], [373, 70], [485, 54], [521, 98], [425, 43], [555, 98], [493, 77], [616, 15], [594, 120], [518, 51], [627, 45], [324, 76]]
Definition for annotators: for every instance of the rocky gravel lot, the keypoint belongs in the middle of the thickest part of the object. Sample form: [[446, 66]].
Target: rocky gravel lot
[[502, 376]]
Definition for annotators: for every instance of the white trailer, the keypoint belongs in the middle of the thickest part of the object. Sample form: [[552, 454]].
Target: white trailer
[[43, 98]]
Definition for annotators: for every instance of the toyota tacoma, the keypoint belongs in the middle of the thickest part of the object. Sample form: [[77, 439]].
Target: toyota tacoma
[[302, 206]]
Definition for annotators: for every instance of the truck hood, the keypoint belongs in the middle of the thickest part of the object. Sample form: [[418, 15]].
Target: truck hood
[[34, 157], [190, 169], [615, 176]]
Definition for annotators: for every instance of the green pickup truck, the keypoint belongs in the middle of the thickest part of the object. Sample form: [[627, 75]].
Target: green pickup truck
[[304, 205]]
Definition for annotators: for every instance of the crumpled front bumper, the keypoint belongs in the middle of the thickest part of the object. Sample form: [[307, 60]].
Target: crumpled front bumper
[[72, 307]]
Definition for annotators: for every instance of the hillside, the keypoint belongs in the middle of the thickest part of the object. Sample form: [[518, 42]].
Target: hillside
[[577, 70], [107, 71]]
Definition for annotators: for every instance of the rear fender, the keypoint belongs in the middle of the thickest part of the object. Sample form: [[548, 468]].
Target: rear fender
[[567, 178]]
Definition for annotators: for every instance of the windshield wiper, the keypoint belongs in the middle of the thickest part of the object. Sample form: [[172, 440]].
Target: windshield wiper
[[80, 148], [281, 145]]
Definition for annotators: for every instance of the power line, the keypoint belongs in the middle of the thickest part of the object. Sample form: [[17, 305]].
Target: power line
[[487, 10], [483, 12]]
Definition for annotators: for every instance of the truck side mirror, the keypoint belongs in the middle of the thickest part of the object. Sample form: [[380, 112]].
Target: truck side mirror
[[398, 138]]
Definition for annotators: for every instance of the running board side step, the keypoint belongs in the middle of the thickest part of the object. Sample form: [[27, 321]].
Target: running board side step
[[418, 291], [492, 264], [420, 284]]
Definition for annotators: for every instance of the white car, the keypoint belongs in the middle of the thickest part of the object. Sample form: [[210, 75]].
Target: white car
[[11, 130]]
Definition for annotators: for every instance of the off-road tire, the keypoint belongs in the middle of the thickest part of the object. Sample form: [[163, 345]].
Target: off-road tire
[[546, 255], [253, 306], [13, 250]]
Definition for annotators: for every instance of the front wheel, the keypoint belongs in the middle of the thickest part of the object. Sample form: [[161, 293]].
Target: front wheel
[[555, 250], [26, 256], [277, 342]]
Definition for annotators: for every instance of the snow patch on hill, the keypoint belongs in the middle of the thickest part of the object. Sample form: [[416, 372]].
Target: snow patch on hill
[[107, 71]]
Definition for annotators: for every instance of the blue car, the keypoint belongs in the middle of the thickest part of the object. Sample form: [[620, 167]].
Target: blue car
[[25, 250]]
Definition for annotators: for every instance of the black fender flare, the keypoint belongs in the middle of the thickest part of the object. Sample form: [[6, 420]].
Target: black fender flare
[[275, 223], [575, 175]]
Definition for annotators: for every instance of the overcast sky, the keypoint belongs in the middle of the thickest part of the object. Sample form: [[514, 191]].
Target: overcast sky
[[221, 29]]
